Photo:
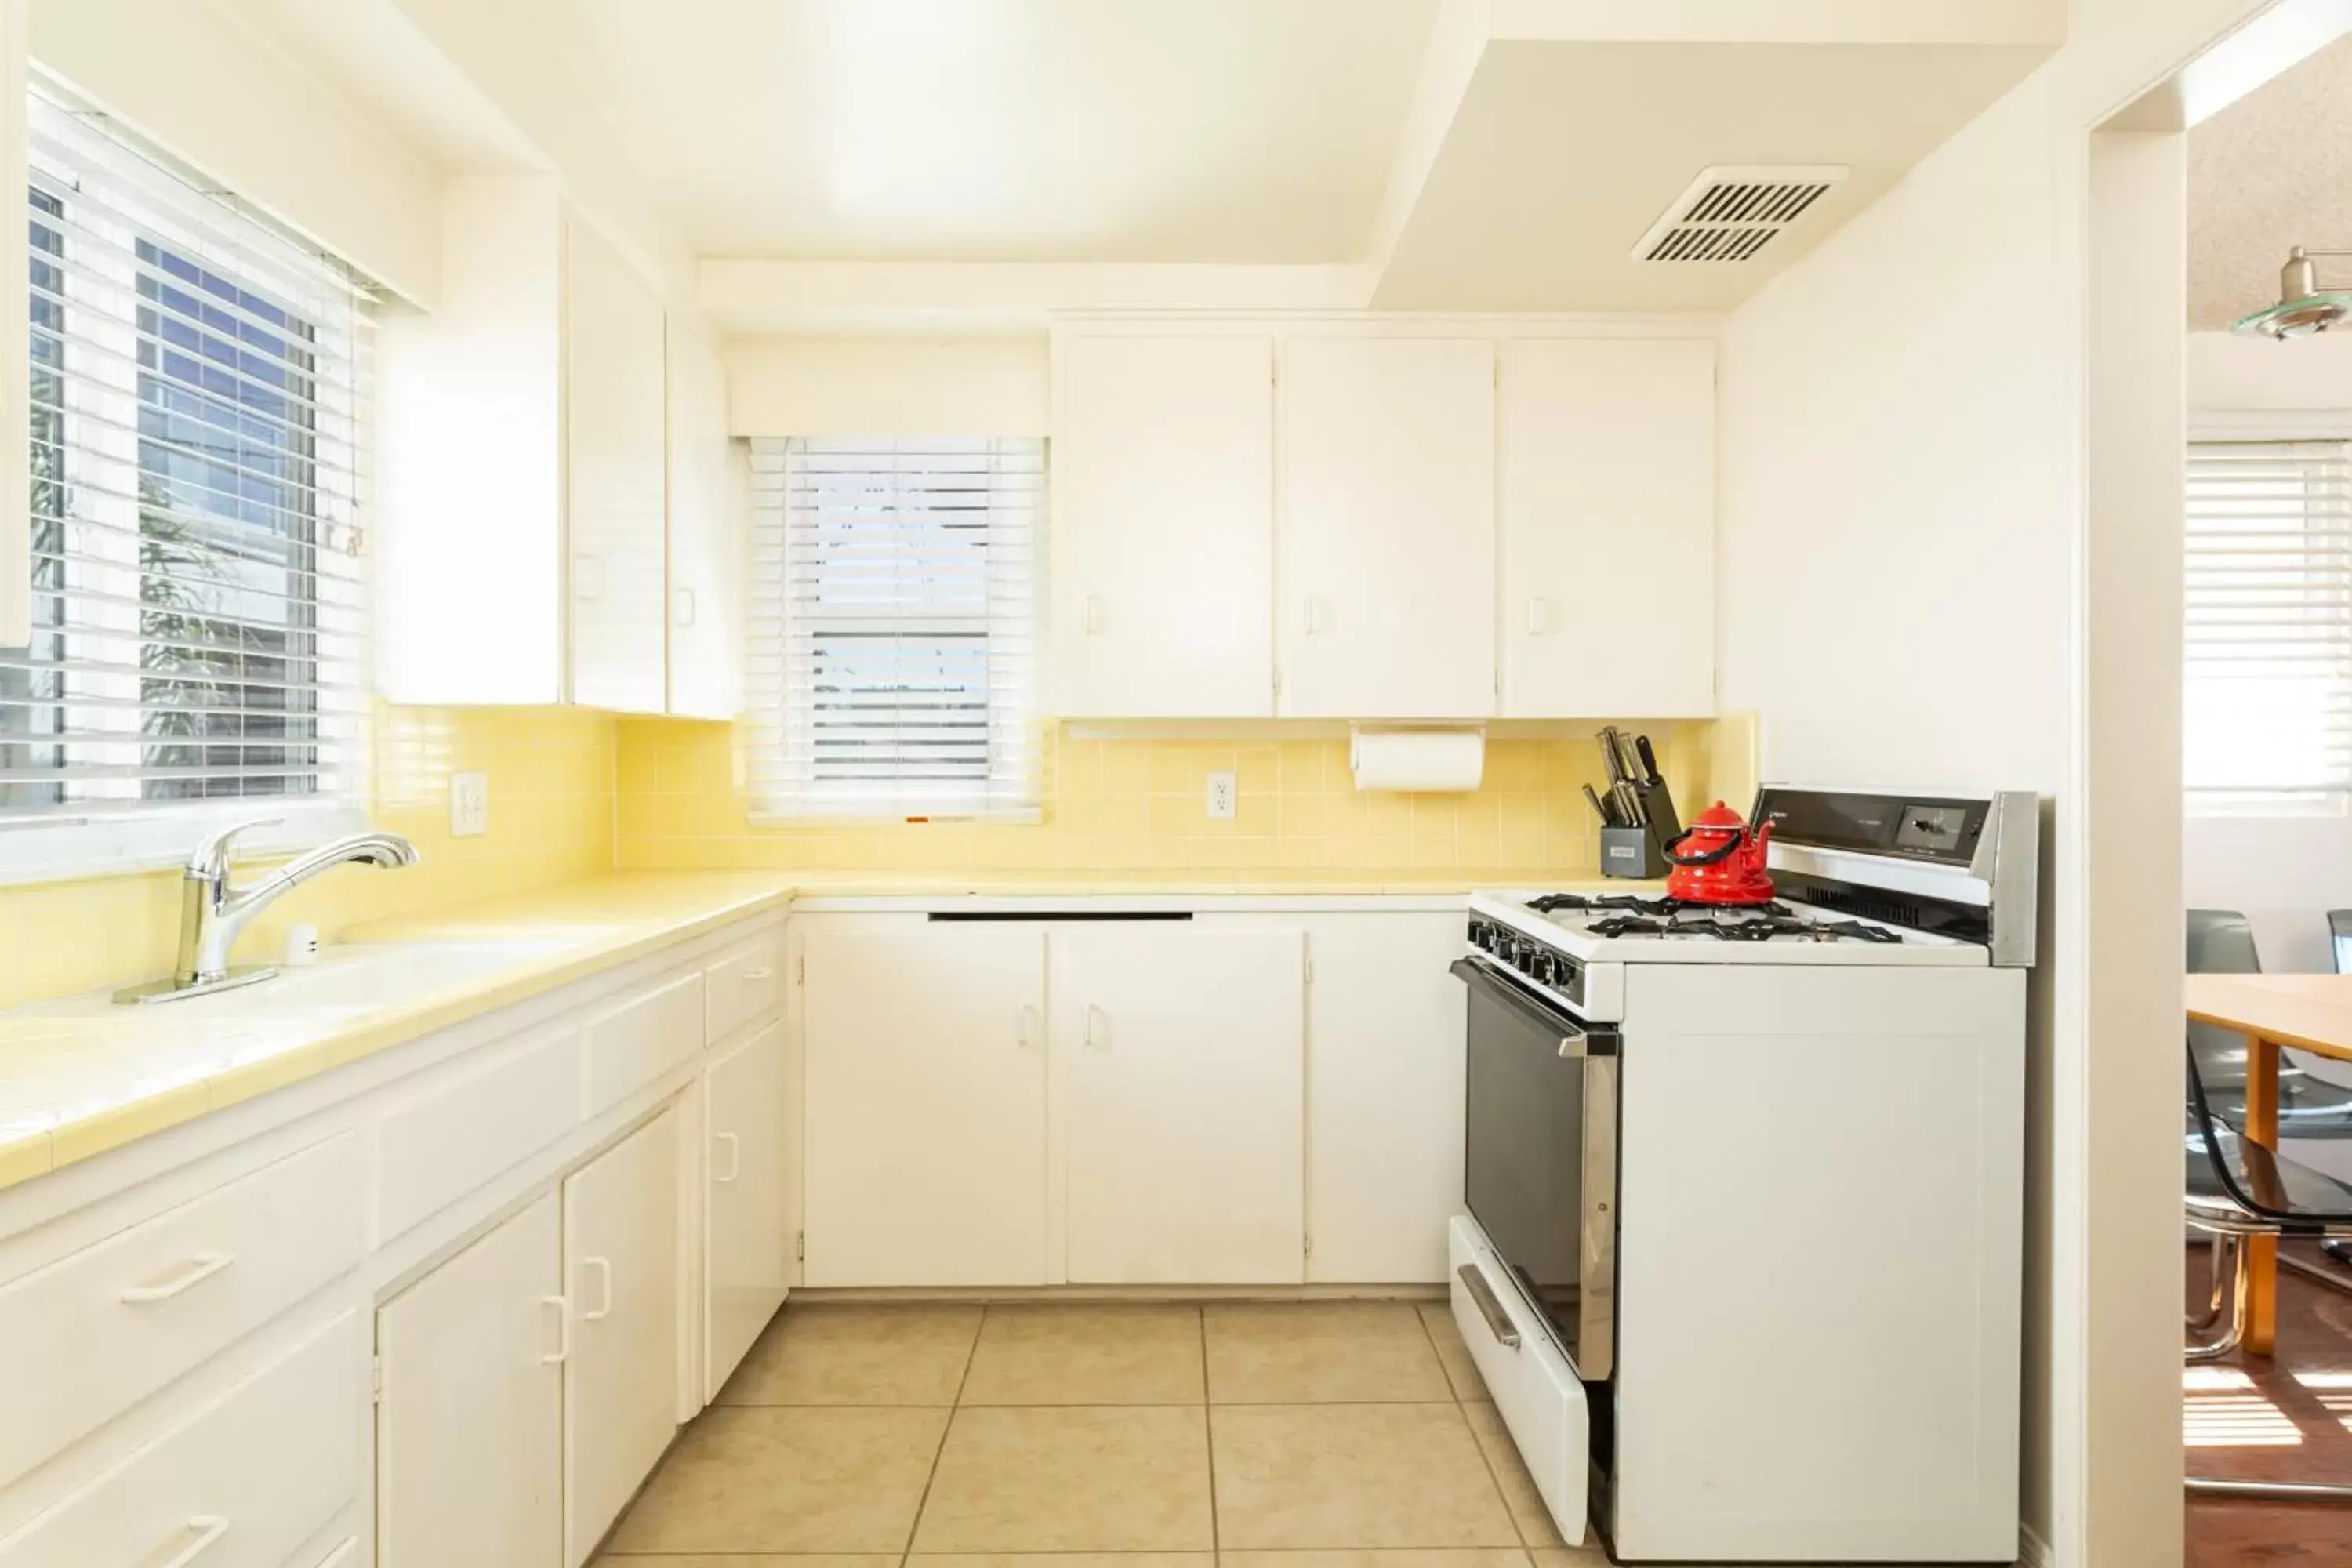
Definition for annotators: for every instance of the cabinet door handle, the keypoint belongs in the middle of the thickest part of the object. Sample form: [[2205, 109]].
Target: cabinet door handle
[[681, 607], [587, 576], [1094, 614], [1025, 1020], [193, 1272], [1540, 621], [604, 1268], [209, 1528], [1319, 615], [752, 976], [734, 1147], [563, 1352], [1097, 1025]]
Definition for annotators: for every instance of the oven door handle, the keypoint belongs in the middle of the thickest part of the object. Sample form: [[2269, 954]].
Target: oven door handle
[[1575, 1039]]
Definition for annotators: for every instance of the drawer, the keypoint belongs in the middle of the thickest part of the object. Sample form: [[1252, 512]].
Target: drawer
[[641, 1039], [243, 1484], [743, 985], [444, 1144], [93, 1333]]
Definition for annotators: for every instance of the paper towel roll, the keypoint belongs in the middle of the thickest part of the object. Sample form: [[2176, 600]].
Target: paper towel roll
[[1418, 761]]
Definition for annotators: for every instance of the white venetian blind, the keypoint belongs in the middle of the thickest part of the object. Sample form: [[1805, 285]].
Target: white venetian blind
[[894, 608], [198, 404], [2267, 711]]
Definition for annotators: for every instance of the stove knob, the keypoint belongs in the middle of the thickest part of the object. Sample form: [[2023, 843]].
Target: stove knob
[[1540, 966]]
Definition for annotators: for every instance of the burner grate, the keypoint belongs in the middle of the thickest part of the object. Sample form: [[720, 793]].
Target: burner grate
[[1628, 903]]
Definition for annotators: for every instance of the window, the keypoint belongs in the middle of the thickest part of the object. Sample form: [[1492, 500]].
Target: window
[[2267, 716], [197, 403], [895, 626]]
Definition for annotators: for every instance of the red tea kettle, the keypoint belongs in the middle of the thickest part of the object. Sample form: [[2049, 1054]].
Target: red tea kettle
[[1719, 861]]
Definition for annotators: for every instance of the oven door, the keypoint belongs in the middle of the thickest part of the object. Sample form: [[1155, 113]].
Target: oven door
[[1541, 1170]]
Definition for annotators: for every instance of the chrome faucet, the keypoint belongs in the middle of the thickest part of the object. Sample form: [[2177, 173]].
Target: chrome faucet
[[212, 914]]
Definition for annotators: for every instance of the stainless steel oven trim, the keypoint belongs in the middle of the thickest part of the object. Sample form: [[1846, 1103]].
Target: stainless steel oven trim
[[1596, 1050]]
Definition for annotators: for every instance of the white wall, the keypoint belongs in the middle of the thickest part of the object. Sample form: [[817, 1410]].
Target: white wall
[[888, 385], [2284, 873], [1903, 595]]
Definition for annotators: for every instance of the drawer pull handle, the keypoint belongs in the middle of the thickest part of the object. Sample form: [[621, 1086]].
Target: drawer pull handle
[[1482, 1295], [734, 1147], [1097, 1025], [193, 1273], [762, 973], [604, 1268], [562, 1352], [1026, 1021], [209, 1528]]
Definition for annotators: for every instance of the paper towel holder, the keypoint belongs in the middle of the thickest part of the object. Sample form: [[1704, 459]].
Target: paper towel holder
[[1360, 730]]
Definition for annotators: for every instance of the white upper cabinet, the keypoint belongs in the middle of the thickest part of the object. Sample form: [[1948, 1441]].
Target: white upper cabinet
[[710, 507], [616, 447], [1164, 456], [1388, 516], [1608, 463]]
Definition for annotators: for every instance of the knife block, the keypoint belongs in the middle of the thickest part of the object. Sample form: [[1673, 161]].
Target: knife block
[[1631, 852]]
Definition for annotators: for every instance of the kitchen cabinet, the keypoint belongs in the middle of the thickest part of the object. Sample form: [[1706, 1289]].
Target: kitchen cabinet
[[1608, 491], [1164, 521], [469, 1424], [1384, 1099], [1387, 483], [748, 1198], [621, 1254], [616, 449], [924, 1065], [534, 546], [1186, 1072]]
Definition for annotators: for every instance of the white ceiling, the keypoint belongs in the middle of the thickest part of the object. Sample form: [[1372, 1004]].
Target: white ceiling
[[2273, 170], [1089, 131]]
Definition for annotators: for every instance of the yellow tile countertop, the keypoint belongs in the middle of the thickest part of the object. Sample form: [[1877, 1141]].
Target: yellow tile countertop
[[79, 1076]]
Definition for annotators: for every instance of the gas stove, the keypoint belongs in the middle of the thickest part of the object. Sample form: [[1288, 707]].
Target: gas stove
[[1608, 915]]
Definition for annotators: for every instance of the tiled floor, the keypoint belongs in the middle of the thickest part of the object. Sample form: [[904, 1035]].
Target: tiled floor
[[1308, 1435]]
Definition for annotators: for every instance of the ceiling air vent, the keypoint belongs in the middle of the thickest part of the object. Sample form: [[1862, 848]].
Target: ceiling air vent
[[1729, 215]]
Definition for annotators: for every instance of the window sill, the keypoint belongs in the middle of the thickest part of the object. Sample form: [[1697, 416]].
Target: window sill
[[113, 844]]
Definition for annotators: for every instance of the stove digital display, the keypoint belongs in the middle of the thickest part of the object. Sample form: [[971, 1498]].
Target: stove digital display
[[1932, 829]]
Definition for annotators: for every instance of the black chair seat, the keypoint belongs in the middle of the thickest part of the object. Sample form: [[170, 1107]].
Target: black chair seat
[[2283, 1192]]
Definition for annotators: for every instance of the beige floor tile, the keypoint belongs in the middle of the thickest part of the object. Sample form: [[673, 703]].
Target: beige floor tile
[[1093, 1479], [753, 1560], [857, 1356], [1425, 1557], [1321, 1352], [1064, 1560], [1324, 1475], [1461, 1372], [1589, 1555], [787, 1481], [1087, 1355], [1519, 1494]]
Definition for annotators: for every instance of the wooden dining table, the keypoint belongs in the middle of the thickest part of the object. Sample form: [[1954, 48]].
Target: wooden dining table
[[2307, 1013]]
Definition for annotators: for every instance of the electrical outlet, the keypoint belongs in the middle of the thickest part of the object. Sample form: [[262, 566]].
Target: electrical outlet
[[1221, 798], [469, 805]]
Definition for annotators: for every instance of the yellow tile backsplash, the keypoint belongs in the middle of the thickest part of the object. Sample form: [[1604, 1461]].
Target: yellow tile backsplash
[[551, 812], [1132, 806]]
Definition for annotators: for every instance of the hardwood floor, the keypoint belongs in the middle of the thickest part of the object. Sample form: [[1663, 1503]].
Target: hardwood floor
[[2287, 1417]]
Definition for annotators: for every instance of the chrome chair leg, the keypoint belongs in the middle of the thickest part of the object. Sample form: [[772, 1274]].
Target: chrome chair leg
[[2235, 1328], [2278, 1491]]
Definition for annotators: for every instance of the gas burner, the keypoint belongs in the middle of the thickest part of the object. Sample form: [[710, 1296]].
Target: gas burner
[[1687, 919], [1554, 903]]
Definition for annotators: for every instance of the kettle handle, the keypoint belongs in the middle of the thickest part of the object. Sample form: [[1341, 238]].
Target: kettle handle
[[1754, 838]]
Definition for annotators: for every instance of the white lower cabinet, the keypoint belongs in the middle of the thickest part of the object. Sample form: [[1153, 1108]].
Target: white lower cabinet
[[620, 1381], [925, 1050], [1186, 1068], [747, 1201], [469, 1426], [242, 1483]]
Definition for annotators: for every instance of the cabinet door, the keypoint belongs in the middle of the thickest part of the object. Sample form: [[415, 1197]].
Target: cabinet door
[[1608, 502], [1388, 497], [616, 451], [469, 1429], [620, 1386], [1186, 1055], [925, 1064], [1384, 1094], [747, 1254], [709, 501], [1165, 451]]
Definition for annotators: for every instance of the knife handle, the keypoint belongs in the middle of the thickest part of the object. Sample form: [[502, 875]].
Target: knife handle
[[1649, 759]]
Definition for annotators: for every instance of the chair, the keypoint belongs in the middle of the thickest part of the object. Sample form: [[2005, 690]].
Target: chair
[[2339, 938], [2235, 1190], [2221, 942]]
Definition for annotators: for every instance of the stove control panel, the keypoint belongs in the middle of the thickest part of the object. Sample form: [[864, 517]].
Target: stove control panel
[[1546, 966]]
